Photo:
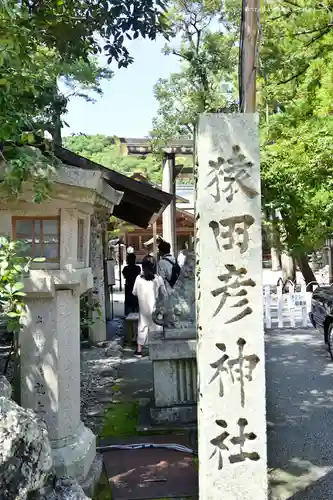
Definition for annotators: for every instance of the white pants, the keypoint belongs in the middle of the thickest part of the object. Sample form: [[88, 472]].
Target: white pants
[[144, 331]]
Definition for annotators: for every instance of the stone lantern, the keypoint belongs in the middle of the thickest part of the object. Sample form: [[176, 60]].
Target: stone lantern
[[58, 230]]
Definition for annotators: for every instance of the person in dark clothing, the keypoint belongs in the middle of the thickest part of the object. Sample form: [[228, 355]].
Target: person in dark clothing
[[130, 272]]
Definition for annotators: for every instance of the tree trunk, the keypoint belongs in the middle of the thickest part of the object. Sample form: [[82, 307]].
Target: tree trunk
[[57, 133], [308, 275], [55, 129], [288, 267], [272, 234], [276, 259], [275, 248]]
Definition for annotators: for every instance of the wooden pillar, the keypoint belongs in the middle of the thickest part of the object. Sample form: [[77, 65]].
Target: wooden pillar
[[169, 214], [248, 55]]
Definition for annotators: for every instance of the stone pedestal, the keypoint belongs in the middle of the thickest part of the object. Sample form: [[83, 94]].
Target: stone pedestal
[[50, 366], [175, 380], [230, 356], [173, 353]]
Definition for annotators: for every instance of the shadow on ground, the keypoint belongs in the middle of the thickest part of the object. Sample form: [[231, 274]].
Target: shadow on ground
[[300, 415]]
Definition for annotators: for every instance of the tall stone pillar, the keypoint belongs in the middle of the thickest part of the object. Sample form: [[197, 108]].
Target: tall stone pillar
[[169, 214], [230, 352], [98, 329]]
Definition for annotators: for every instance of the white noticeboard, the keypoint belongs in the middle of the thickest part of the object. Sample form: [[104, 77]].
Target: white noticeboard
[[111, 274]]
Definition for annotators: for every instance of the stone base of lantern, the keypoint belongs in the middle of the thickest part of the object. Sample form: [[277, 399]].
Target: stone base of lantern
[[175, 379], [74, 456]]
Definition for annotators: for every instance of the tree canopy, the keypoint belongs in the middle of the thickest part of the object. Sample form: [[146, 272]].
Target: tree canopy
[[108, 151], [295, 101], [42, 40], [39, 35], [78, 28], [207, 53]]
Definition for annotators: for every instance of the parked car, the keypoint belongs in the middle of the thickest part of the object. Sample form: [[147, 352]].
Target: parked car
[[321, 314]]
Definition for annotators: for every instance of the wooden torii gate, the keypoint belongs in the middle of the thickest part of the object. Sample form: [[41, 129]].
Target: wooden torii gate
[[177, 147]]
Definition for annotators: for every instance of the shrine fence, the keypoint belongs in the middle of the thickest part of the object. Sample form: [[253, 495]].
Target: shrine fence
[[287, 309]]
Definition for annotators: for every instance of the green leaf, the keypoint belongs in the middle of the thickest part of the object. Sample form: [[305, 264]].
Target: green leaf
[[13, 315], [17, 287]]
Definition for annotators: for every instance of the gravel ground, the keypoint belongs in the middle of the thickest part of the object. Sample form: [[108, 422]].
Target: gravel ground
[[98, 374]]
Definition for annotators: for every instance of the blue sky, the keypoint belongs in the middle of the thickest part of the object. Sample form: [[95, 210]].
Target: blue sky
[[128, 104]]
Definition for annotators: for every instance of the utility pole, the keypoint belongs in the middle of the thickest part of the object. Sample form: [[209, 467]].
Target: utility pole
[[248, 55]]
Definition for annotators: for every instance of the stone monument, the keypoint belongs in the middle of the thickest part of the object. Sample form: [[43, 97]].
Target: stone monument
[[58, 230], [230, 354], [173, 353]]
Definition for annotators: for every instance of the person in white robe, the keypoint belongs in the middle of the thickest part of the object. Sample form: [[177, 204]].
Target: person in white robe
[[147, 288]]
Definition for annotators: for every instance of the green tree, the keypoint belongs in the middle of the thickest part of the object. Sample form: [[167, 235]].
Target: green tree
[[13, 267], [205, 81], [74, 30], [46, 103], [42, 39], [78, 28], [295, 96], [81, 78], [109, 152], [294, 102]]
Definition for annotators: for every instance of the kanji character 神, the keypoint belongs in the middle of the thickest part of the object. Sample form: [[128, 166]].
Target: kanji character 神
[[243, 366]]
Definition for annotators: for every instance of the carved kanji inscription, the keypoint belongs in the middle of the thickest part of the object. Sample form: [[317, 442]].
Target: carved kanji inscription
[[39, 388], [232, 280], [220, 367], [234, 232], [219, 444], [228, 176], [40, 410], [238, 442], [238, 369]]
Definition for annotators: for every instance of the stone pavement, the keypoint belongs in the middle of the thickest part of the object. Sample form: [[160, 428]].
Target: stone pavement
[[135, 382], [300, 415], [135, 377], [299, 375]]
